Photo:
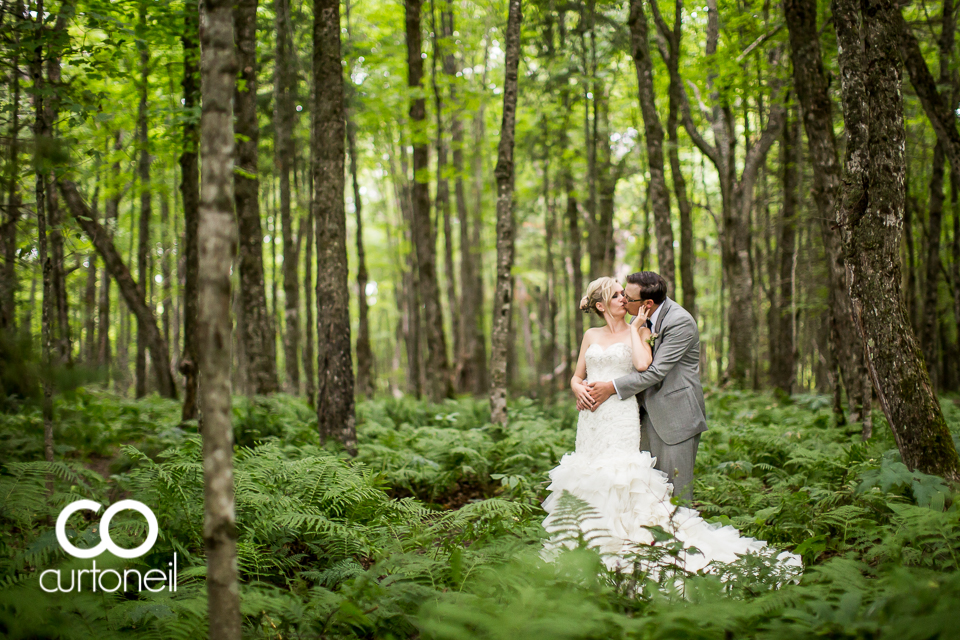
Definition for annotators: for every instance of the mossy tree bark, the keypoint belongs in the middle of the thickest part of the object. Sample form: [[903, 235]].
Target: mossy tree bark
[[870, 217], [811, 85]]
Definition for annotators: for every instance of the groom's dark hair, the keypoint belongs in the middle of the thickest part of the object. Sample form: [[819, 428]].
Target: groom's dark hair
[[652, 285]]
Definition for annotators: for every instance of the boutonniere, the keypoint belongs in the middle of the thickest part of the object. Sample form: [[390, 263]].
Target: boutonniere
[[653, 338]]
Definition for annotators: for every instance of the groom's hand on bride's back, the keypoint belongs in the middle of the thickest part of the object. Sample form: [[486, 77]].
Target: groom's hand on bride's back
[[600, 392]]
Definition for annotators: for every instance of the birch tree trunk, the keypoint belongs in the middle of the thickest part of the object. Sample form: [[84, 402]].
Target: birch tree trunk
[[870, 217], [217, 247], [335, 404], [259, 344], [503, 296]]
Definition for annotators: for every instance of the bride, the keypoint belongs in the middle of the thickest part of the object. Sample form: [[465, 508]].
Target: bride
[[609, 472]]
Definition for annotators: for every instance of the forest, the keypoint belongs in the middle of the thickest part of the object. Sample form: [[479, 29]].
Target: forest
[[305, 279]]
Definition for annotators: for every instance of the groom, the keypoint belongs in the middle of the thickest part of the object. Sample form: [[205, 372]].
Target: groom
[[672, 410]]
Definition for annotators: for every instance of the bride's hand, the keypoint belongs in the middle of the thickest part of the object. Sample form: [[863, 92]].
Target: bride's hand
[[640, 320], [584, 401]]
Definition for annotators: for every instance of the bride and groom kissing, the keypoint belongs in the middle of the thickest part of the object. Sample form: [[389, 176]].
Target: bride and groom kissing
[[637, 386]]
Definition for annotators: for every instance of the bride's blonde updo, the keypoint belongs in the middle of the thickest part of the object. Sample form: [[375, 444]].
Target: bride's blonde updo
[[600, 290]]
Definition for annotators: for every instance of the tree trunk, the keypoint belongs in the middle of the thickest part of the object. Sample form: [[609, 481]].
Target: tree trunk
[[335, 404], [503, 296], [132, 293], [687, 250], [217, 240], [467, 360], [8, 232], [259, 343], [783, 313], [89, 308], [285, 115], [928, 328], [58, 42], [165, 271], [309, 353], [364, 352], [190, 194], [548, 297], [409, 305], [811, 84], [143, 144], [443, 186], [869, 216], [42, 135], [110, 221], [653, 135], [424, 238], [479, 355]]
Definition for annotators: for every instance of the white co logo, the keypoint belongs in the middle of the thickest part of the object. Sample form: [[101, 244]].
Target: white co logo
[[106, 543]]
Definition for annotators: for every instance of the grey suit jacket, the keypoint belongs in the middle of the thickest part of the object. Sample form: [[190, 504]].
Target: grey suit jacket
[[670, 388]]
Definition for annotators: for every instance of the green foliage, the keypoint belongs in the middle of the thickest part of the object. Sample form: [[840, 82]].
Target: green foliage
[[330, 546]]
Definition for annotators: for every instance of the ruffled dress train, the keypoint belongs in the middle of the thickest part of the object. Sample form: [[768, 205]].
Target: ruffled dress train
[[627, 495]]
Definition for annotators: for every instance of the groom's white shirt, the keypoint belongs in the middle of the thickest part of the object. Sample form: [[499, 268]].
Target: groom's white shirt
[[653, 323]]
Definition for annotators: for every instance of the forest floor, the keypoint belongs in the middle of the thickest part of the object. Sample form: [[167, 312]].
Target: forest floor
[[433, 531]]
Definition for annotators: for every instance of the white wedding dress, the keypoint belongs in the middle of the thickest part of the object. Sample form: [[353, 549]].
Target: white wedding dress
[[609, 472]]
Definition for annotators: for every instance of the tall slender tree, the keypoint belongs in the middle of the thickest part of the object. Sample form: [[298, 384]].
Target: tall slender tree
[[143, 144], [424, 237], [217, 236], [285, 81], [258, 337], [653, 134], [336, 418], [503, 297], [190, 196]]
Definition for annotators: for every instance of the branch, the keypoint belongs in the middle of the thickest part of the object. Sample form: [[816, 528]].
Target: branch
[[705, 147], [759, 41], [938, 111]]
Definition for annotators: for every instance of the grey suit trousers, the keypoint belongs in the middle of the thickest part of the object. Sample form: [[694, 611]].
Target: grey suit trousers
[[675, 460]]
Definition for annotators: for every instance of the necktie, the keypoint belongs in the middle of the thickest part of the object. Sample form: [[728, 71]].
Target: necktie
[[649, 325]]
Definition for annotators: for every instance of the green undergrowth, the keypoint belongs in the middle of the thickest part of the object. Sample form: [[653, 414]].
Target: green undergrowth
[[433, 530]]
